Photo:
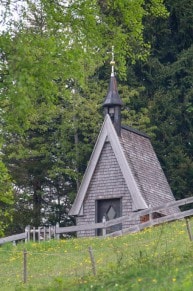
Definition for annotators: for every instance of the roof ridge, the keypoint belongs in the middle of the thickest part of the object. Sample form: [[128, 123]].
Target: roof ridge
[[126, 127]]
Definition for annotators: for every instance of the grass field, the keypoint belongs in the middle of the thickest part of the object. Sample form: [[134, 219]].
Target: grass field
[[159, 258]]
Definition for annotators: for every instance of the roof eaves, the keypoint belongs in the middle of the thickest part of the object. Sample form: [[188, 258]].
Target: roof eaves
[[137, 198], [89, 171]]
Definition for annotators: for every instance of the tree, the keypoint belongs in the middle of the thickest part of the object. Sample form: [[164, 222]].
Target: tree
[[167, 77], [173, 104], [6, 199], [51, 86]]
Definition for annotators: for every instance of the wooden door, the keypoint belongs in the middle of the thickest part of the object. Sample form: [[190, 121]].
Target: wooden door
[[110, 209]]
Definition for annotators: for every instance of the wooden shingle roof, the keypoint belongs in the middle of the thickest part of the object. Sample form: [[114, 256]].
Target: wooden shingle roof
[[109, 133], [139, 165], [146, 168]]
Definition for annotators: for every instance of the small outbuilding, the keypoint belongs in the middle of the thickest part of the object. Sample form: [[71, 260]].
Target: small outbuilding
[[123, 174]]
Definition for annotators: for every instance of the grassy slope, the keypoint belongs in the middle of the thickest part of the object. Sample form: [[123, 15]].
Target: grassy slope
[[159, 258]]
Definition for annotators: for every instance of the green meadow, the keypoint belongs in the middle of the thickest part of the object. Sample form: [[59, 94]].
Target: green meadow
[[158, 258]]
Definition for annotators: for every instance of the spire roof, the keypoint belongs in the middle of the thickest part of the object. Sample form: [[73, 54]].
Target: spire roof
[[112, 97]]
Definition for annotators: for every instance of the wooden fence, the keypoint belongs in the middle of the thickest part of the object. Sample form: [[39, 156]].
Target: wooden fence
[[32, 234], [46, 233], [13, 238], [134, 216], [41, 233]]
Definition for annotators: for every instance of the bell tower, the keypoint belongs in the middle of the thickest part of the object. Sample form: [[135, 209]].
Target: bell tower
[[112, 104]]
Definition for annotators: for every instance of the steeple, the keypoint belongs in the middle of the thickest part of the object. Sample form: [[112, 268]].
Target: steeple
[[112, 104]]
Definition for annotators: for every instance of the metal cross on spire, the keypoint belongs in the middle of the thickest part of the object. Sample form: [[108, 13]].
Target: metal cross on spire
[[112, 63]]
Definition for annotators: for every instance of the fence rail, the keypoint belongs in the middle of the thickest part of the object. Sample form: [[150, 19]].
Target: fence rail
[[34, 234], [156, 221], [134, 216], [43, 233], [13, 238]]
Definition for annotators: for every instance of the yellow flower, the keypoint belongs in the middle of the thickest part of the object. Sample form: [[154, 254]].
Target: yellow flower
[[154, 280], [139, 279], [174, 279]]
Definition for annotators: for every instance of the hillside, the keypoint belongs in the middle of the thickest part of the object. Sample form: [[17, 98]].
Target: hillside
[[158, 258]]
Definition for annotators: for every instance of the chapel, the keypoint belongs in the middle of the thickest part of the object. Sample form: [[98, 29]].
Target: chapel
[[123, 175]]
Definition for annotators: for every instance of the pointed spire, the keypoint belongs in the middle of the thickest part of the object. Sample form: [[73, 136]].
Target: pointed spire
[[113, 103], [113, 97]]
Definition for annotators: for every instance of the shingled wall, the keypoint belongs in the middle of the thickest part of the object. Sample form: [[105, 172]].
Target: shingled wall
[[107, 182]]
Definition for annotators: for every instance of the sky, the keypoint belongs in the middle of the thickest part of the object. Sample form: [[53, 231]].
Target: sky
[[15, 8]]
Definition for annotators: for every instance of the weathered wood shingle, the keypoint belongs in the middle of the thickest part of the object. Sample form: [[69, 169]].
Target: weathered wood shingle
[[107, 182], [146, 168]]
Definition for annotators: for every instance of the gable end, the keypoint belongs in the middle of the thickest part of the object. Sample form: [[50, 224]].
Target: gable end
[[108, 132]]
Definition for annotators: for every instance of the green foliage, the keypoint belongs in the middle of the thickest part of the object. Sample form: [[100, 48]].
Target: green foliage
[[53, 80], [42, 66], [134, 114], [167, 78], [124, 28], [6, 199], [171, 113]]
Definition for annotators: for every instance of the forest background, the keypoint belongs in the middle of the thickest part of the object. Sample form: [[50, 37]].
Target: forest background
[[54, 75]]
